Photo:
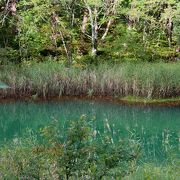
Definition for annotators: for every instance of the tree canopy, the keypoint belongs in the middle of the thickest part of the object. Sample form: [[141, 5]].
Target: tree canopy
[[87, 30]]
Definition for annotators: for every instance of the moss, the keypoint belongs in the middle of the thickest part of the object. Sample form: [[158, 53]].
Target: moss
[[141, 100]]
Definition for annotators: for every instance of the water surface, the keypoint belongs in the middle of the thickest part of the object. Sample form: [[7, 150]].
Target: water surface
[[157, 128]]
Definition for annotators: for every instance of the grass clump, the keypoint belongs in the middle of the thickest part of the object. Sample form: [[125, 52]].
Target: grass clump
[[154, 172], [51, 78]]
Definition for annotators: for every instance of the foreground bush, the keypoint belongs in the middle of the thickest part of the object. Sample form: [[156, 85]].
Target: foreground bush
[[79, 154], [54, 79], [153, 172]]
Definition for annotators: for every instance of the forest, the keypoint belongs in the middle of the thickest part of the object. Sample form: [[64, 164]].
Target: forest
[[81, 32]]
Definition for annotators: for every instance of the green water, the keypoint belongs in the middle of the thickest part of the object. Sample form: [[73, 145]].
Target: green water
[[3, 86], [156, 128]]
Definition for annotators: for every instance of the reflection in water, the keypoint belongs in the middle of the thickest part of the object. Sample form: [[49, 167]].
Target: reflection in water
[[157, 128]]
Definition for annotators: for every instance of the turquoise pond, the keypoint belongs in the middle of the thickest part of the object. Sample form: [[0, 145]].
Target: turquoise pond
[[156, 128]]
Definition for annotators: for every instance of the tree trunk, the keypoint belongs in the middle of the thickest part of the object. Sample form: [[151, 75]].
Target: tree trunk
[[169, 30], [85, 21], [94, 27], [67, 49], [111, 12], [95, 35], [107, 29]]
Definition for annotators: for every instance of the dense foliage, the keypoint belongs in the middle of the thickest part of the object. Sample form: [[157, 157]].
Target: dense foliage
[[77, 31]]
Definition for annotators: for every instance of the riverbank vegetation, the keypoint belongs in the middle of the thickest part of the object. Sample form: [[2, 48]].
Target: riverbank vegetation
[[150, 101], [54, 79]]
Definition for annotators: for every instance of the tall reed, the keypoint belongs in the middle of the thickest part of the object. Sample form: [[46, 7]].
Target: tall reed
[[54, 79]]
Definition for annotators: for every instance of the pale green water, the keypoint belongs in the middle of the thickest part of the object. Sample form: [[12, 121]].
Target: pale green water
[[3, 86], [155, 127]]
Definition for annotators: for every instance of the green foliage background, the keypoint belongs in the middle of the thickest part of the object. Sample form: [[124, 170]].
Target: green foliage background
[[138, 31]]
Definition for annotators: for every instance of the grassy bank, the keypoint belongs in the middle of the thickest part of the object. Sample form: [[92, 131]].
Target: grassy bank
[[47, 79], [149, 101]]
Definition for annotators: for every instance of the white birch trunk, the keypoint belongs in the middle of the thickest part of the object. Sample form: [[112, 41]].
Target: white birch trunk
[[94, 29]]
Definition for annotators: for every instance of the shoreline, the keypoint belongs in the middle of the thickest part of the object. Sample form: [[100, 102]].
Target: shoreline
[[127, 100]]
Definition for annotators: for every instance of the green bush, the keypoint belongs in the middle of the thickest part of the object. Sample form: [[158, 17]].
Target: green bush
[[9, 55]]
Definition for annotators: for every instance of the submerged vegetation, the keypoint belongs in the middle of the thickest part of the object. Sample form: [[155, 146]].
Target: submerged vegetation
[[51, 78], [76, 154], [79, 152]]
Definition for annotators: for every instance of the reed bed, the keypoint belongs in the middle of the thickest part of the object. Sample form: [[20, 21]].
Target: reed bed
[[52, 78]]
